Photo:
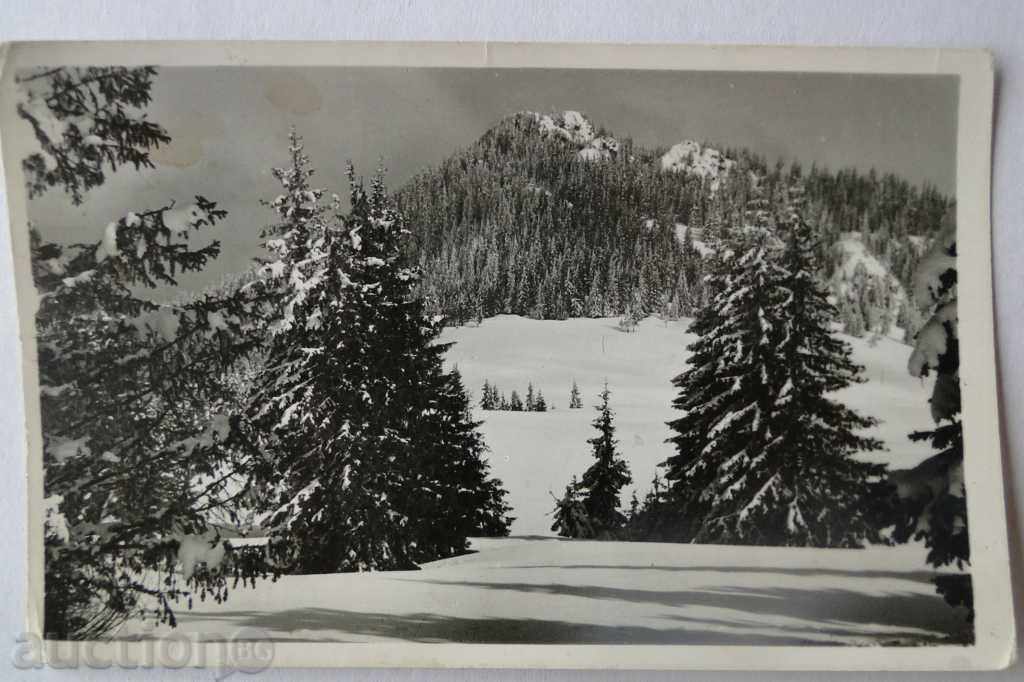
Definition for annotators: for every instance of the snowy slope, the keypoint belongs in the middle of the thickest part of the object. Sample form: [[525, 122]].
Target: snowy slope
[[853, 254], [536, 454], [549, 590]]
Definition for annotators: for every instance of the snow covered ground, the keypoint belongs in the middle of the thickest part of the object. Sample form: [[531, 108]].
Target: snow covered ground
[[536, 453], [535, 589], [529, 590]]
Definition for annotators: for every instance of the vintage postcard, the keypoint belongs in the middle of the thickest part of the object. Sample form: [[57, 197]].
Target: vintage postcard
[[507, 355]]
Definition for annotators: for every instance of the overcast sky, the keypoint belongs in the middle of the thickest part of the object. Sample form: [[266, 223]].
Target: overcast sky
[[230, 125]]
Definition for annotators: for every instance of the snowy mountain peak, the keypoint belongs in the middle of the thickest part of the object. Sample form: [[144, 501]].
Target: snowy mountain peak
[[569, 125], [690, 157], [576, 128]]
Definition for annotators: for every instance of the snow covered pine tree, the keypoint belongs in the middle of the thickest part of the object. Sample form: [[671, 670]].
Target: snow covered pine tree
[[831, 498], [590, 508], [489, 399], [934, 507], [764, 456], [571, 520], [575, 401], [647, 516], [515, 403], [603, 481], [131, 391], [372, 459]]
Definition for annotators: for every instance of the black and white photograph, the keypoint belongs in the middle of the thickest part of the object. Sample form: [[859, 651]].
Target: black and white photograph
[[504, 355]]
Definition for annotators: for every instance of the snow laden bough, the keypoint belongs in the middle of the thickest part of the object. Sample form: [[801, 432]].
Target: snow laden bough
[[934, 507], [134, 460], [124, 496], [88, 121]]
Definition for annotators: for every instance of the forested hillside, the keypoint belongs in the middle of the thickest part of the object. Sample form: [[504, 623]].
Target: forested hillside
[[552, 217]]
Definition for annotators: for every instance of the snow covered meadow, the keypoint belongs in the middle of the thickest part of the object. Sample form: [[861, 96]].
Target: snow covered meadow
[[533, 587], [536, 453]]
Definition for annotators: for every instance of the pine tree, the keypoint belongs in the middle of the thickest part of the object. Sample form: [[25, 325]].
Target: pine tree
[[515, 403], [540, 405], [487, 400], [832, 499], [137, 452], [628, 321], [462, 500], [595, 306], [933, 506], [645, 521], [853, 318], [530, 405], [764, 455], [604, 480], [575, 401], [634, 507], [720, 394], [375, 462], [570, 515]]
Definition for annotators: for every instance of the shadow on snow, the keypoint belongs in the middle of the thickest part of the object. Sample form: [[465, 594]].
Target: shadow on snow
[[427, 628], [794, 616]]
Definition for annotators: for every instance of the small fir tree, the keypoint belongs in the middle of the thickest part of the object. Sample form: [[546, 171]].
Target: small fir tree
[[487, 401], [634, 506], [602, 483], [515, 403], [575, 401], [645, 521], [570, 515]]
